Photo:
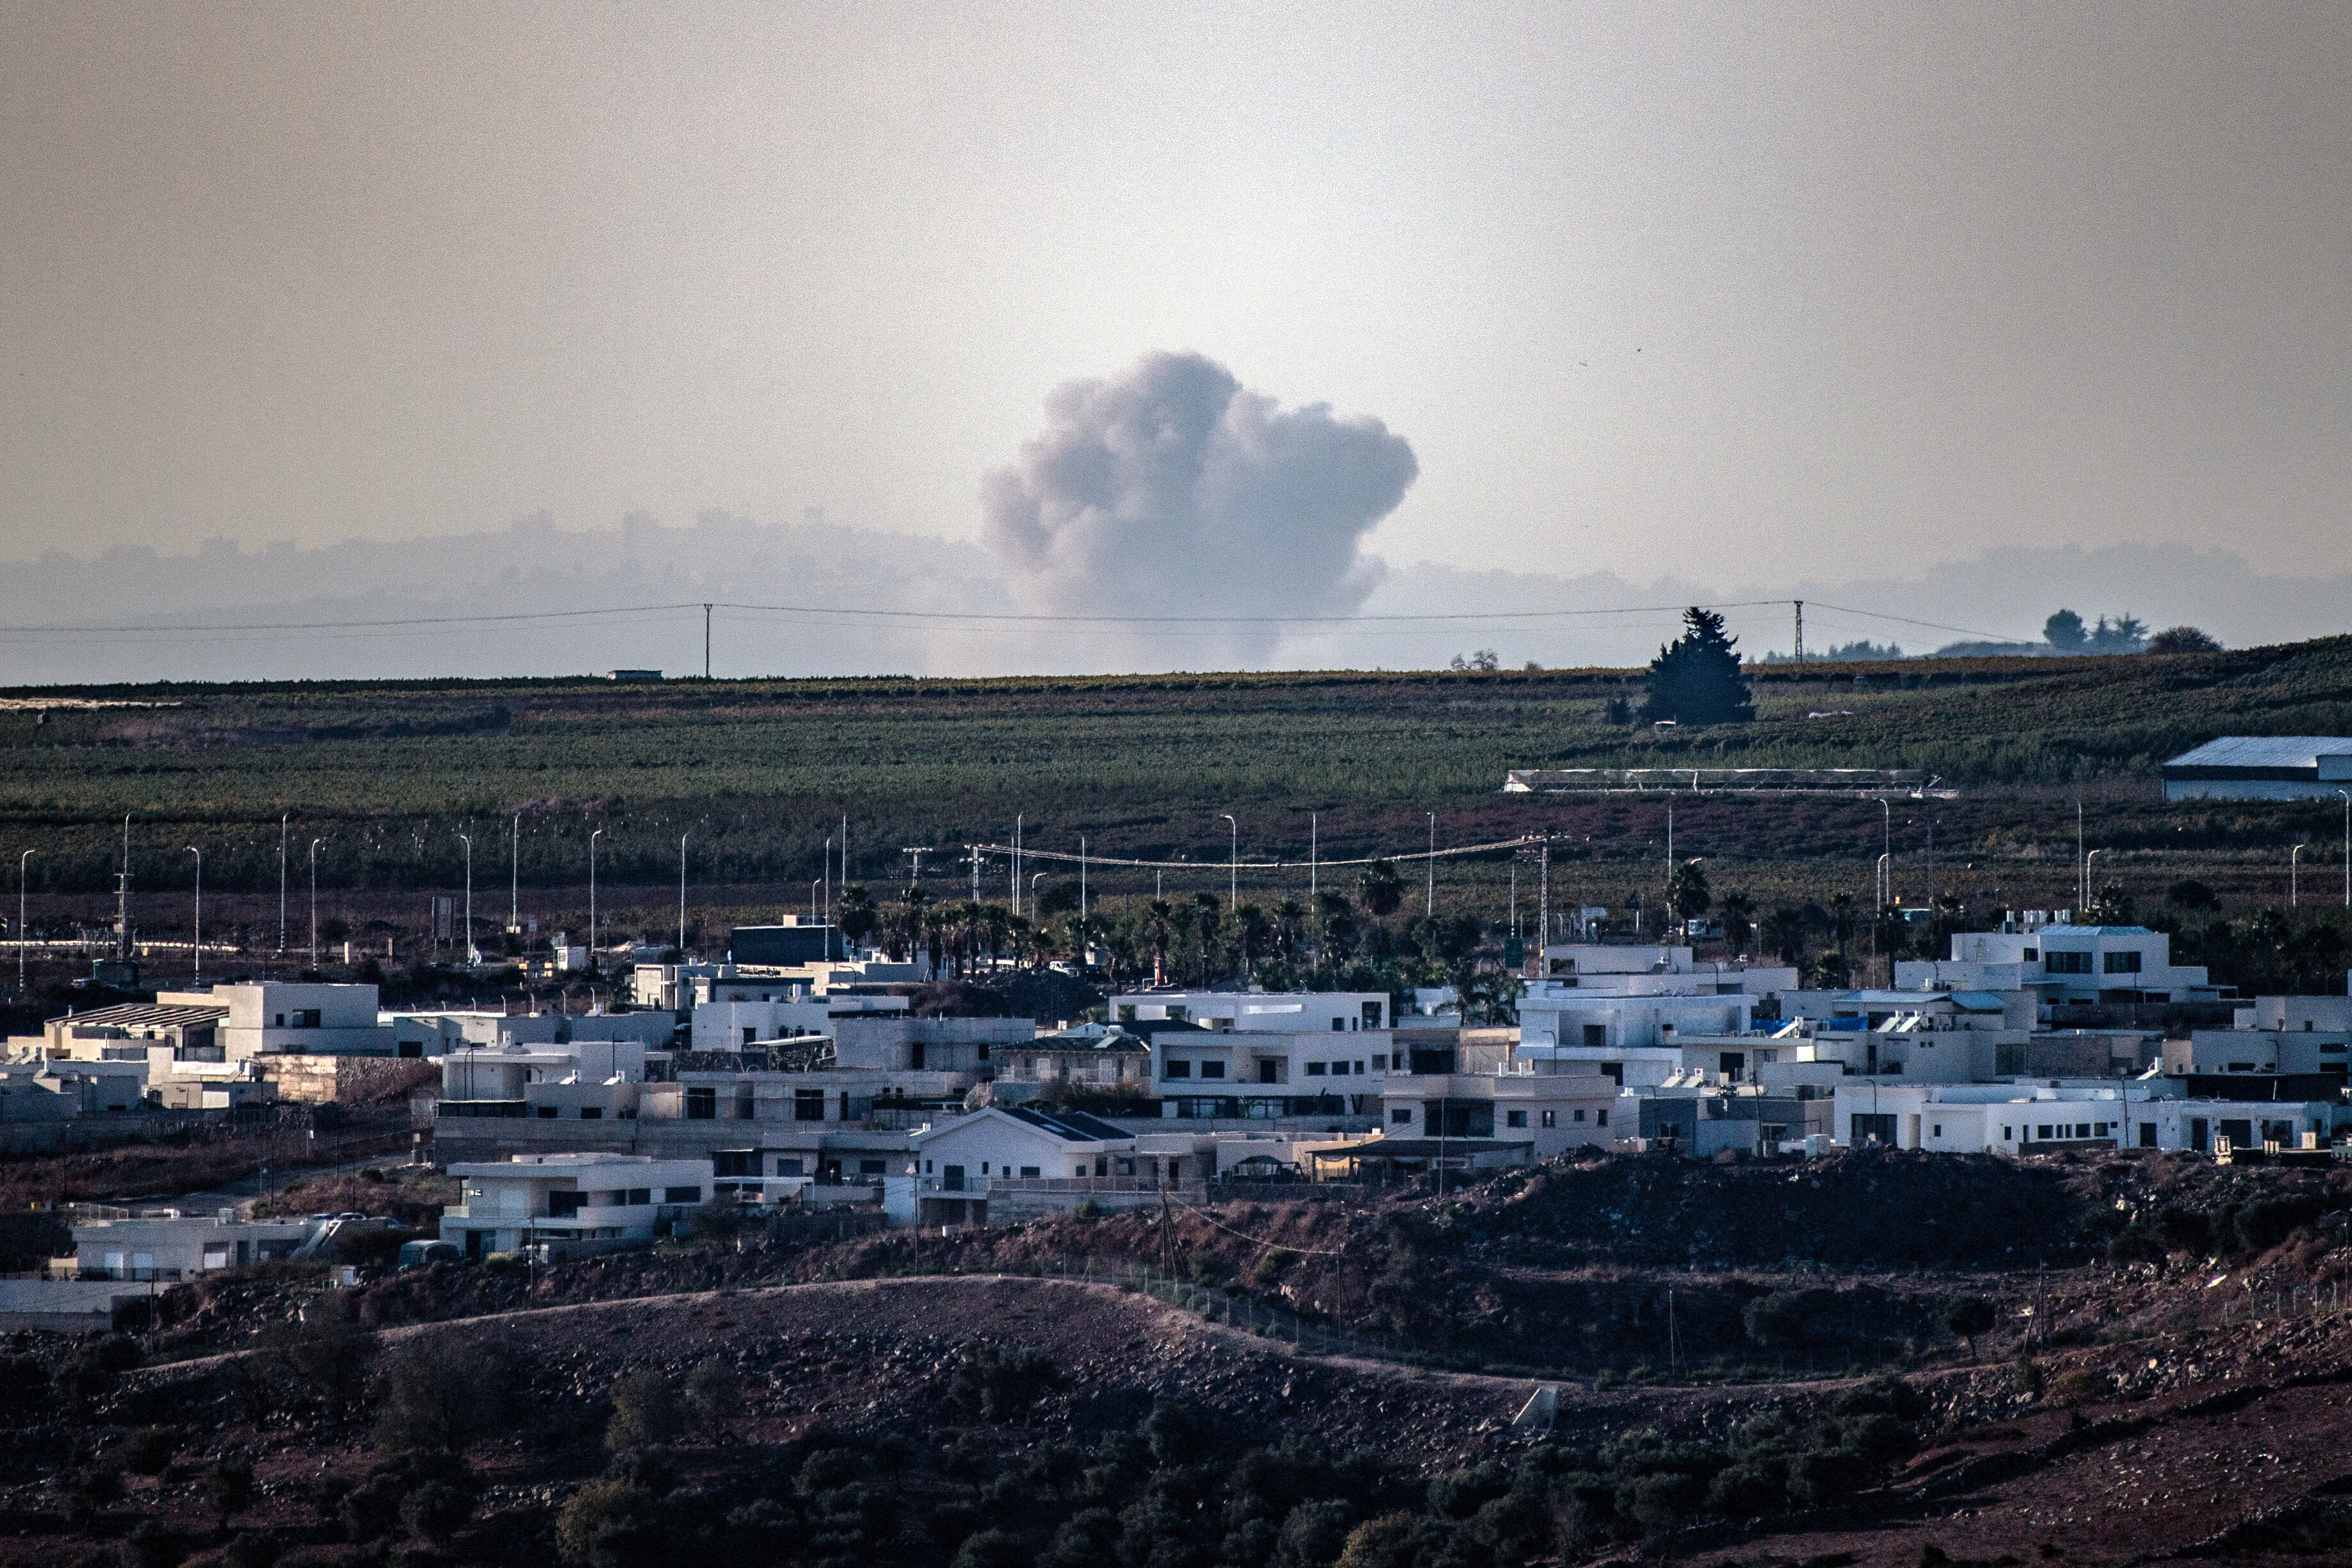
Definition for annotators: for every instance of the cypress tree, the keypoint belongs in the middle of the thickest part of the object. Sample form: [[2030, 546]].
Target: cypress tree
[[1696, 680]]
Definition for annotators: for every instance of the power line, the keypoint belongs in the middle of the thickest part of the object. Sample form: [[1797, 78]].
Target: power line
[[1025, 620], [1028, 854]]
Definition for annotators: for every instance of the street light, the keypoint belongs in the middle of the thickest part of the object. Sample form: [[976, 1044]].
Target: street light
[[200, 911], [1429, 897], [681, 896], [283, 818], [592, 894], [314, 901], [472, 956], [2347, 796], [514, 887], [20, 918], [2293, 858], [1233, 870], [1886, 846]]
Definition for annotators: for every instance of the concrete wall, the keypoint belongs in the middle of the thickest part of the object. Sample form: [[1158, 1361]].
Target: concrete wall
[[345, 1081]]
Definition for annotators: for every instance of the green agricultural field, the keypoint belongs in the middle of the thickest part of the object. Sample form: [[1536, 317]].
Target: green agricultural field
[[757, 773]]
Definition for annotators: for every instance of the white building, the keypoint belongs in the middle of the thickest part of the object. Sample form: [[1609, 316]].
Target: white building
[[896, 1043], [271, 1018], [1290, 1012], [2302, 1014], [2063, 963], [2287, 1052], [529, 1200], [1657, 971], [1551, 1113], [2262, 767], [177, 1246], [1988, 1119], [721, 1026], [1265, 1072]]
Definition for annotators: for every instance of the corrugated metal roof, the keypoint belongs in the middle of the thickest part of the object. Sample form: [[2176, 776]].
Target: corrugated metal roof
[[141, 1015], [2264, 752]]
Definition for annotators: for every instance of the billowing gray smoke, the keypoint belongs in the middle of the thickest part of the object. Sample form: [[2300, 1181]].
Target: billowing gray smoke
[[1170, 490]]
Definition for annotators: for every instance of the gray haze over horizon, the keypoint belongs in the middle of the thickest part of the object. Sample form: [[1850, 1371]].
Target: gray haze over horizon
[[1959, 313], [536, 564]]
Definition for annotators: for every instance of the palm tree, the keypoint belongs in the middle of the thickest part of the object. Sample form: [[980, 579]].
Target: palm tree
[[1380, 889], [907, 928], [1159, 930], [1687, 894], [857, 918], [1208, 918], [1290, 930], [1739, 911], [1253, 930], [1784, 934], [1335, 923]]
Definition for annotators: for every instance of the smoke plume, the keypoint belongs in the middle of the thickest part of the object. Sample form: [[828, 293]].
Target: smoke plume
[[1170, 490]]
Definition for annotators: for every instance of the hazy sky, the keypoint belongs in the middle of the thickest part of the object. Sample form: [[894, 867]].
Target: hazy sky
[[1745, 293]]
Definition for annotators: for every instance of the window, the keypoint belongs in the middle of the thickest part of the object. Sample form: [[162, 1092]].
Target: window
[[1316, 1069], [1867, 1129], [735, 1162], [1380, 1064], [701, 1104], [306, 1018], [1551, 1119], [1175, 1069], [591, 1114], [681, 1194], [2042, 1133], [1936, 1130], [1359, 1066], [1601, 1119], [1029, 1169], [751, 1035], [2004, 1135], [547, 1112], [1580, 1115], [808, 1105], [1212, 1069], [1338, 1026], [1515, 1119], [2122, 962], [1401, 1118], [2030, 954], [638, 1197], [870, 1168], [2241, 1066], [788, 1167], [2067, 963], [563, 1205]]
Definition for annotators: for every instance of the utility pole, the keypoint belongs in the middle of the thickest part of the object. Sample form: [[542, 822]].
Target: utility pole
[[1233, 864], [599, 833], [1082, 895], [1800, 631], [122, 895], [2082, 868], [681, 896], [283, 818], [1313, 847], [514, 873], [974, 857], [1429, 893], [20, 918], [472, 956], [1015, 869], [314, 901], [200, 911], [1544, 936], [706, 642]]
